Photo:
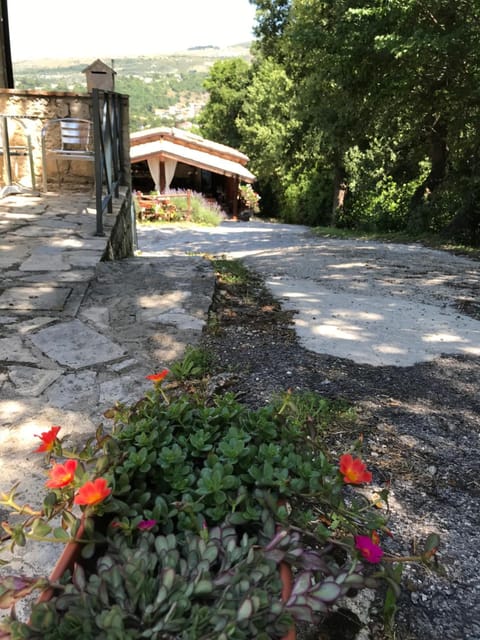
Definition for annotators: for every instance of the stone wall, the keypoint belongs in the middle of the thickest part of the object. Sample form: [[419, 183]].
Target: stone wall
[[120, 229], [34, 109]]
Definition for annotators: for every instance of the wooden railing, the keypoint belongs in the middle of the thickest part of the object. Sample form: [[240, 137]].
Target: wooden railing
[[109, 151]]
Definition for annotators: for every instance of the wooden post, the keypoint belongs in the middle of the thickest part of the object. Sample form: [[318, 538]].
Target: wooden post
[[163, 181], [235, 198]]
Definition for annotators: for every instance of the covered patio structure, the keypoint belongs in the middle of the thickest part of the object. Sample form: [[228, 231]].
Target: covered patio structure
[[165, 159]]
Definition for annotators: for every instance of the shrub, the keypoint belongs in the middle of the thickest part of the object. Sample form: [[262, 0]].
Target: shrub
[[177, 206]]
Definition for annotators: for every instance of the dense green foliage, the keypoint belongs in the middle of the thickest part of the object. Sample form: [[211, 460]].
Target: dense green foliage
[[227, 85], [364, 114]]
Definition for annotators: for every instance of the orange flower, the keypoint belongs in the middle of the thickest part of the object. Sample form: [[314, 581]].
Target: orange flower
[[375, 538], [48, 439], [62, 474], [92, 492], [158, 377], [354, 470]]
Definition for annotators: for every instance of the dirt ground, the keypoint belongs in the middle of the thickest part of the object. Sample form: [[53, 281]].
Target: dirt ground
[[421, 428]]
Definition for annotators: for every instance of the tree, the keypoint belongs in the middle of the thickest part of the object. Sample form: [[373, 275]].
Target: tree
[[265, 125], [227, 85], [375, 102], [271, 19], [404, 71]]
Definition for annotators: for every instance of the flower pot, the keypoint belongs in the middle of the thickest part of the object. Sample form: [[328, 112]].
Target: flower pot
[[70, 554], [65, 563], [287, 582]]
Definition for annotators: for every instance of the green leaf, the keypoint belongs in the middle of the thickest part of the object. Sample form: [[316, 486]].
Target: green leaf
[[432, 543], [245, 611], [210, 554], [161, 544], [301, 612], [69, 520], [88, 550], [61, 534], [41, 528], [168, 578], [328, 592], [203, 587], [302, 583], [394, 587], [79, 579]]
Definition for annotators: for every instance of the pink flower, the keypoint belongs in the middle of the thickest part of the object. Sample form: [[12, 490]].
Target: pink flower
[[146, 525], [48, 439], [369, 550], [62, 475], [353, 470]]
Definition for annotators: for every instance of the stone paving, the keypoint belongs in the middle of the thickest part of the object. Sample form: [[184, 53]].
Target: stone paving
[[78, 334]]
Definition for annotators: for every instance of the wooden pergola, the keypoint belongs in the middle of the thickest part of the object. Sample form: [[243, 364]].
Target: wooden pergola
[[168, 145]]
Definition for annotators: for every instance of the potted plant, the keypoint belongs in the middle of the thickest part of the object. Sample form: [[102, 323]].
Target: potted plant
[[218, 497], [250, 199], [189, 587]]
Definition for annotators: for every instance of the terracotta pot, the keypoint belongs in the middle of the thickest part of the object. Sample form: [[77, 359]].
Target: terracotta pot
[[72, 551], [287, 581], [65, 562]]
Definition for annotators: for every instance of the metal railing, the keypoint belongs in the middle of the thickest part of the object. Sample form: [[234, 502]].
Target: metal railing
[[109, 151]]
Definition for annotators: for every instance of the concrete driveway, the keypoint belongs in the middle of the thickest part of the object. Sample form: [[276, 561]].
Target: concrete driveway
[[371, 302]]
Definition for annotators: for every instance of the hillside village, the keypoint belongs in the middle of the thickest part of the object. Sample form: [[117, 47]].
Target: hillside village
[[164, 90]]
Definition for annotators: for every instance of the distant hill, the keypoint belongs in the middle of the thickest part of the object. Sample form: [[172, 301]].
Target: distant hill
[[49, 72], [164, 89]]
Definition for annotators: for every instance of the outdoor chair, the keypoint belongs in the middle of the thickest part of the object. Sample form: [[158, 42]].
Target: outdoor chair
[[66, 139]]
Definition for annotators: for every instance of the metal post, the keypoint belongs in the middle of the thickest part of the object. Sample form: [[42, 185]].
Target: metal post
[[98, 161], [6, 151]]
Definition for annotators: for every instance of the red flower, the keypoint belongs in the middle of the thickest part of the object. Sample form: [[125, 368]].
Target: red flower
[[158, 377], [48, 439], [369, 550], [62, 474], [92, 492], [354, 470], [146, 525]]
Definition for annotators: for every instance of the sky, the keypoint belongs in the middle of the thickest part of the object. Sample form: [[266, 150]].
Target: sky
[[112, 28]]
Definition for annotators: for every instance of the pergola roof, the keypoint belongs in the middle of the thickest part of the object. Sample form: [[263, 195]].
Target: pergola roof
[[190, 149]]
